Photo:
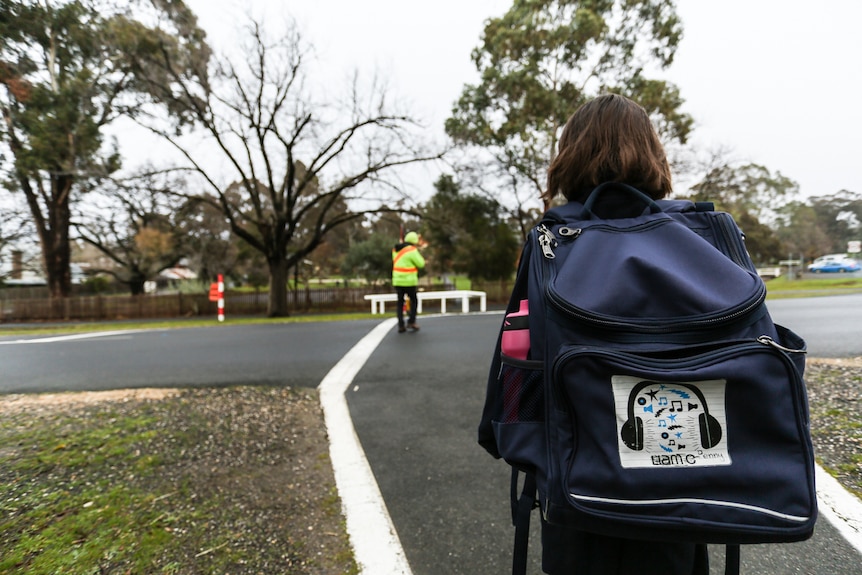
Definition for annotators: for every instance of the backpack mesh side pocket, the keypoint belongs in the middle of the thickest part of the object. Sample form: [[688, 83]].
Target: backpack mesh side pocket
[[523, 396], [520, 430]]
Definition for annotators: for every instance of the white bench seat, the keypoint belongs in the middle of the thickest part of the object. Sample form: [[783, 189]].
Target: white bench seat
[[378, 300]]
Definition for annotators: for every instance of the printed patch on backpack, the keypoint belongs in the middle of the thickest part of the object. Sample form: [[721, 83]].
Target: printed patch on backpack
[[663, 424]]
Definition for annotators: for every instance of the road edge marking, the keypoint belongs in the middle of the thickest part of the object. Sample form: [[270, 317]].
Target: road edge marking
[[841, 508], [71, 337], [375, 542]]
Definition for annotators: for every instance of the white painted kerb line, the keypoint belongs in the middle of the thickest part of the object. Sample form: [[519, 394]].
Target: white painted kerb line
[[72, 337], [840, 507], [375, 543]]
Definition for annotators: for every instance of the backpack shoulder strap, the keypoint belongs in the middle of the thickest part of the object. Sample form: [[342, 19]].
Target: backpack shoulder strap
[[731, 561], [522, 508]]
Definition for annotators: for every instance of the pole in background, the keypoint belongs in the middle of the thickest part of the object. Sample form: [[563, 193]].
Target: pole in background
[[220, 297], [217, 295]]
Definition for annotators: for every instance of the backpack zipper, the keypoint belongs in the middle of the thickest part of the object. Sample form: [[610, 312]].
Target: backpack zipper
[[661, 327], [645, 360], [729, 235], [766, 340], [547, 241]]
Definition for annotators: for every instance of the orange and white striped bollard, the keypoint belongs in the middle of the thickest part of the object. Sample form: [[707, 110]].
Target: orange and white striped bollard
[[220, 297]]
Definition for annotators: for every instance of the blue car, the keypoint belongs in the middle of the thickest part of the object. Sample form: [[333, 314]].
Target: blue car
[[834, 263]]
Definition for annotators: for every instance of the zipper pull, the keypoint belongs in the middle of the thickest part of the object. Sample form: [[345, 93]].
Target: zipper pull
[[570, 233], [766, 340], [547, 241]]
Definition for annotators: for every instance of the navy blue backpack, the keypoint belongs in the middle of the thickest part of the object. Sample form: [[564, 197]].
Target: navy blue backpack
[[658, 401]]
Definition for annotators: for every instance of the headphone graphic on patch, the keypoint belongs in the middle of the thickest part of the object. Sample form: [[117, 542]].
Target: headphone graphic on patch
[[632, 432]]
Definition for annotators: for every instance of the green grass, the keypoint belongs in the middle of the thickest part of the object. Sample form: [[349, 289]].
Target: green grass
[[463, 283], [836, 423], [783, 288], [67, 500], [161, 488]]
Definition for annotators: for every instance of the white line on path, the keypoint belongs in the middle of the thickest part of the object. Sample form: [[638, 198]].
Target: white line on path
[[840, 507], [375, 543], [58, 338]]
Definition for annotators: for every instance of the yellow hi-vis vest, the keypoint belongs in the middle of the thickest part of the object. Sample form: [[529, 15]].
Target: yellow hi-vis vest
[[406, 264]]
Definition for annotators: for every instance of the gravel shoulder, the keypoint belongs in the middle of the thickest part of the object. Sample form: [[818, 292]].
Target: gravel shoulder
[[835, 402]]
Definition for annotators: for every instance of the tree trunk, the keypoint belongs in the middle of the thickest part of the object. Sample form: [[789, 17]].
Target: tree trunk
[[136, 284], [57, 253], [278, 272]]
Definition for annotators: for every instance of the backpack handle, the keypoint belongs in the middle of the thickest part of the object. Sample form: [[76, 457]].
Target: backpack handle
[[654, 208]]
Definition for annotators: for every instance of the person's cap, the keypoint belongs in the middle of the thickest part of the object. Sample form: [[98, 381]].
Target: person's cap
[[411, 238]]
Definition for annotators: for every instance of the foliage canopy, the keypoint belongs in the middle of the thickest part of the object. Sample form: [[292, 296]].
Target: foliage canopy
[[67, 70], [544, 58], [467, 233]]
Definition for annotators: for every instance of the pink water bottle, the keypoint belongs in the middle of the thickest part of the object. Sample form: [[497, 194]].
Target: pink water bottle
[[516, 332]]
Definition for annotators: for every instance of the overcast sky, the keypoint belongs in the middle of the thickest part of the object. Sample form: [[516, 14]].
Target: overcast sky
[[779, 82]]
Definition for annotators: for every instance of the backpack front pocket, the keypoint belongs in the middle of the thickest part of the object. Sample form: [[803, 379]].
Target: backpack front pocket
[[710, 436]]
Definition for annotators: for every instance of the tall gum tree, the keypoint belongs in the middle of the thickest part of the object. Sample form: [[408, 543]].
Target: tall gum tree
[[68, 69], [284, 167], [539, 62]]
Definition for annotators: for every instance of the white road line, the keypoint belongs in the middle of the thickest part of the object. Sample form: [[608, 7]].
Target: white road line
[[375, 543], [840, 507], [73, 337]]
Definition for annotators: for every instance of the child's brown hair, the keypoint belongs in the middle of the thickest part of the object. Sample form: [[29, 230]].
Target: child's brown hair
[[608, 139]]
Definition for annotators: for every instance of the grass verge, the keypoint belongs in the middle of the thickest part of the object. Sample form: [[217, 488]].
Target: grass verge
[[208, 481], [809, 287]]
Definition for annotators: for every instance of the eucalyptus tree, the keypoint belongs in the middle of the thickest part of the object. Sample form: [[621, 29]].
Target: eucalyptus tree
[[284, 165], [69, 69], [468, 234], [755, 196], [840, 218], [746, 188], [540, 61], [370, 259], [804, 231]]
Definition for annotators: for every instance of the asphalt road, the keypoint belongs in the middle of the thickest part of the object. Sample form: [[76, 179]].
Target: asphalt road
[[297, 354], [831, 325], [416, 419]]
